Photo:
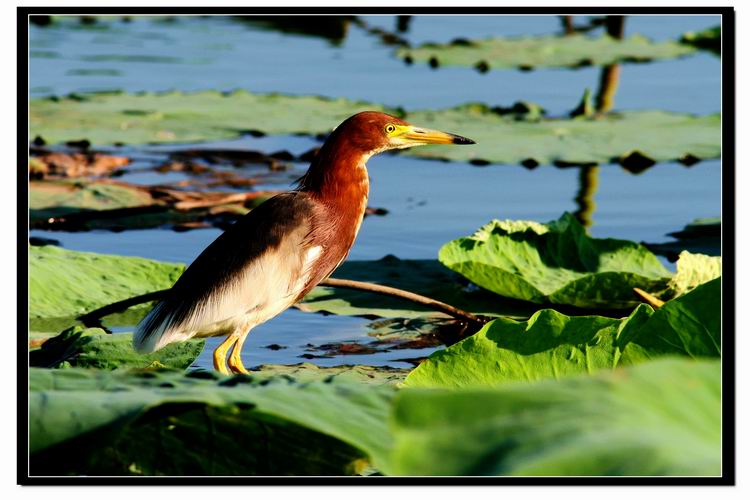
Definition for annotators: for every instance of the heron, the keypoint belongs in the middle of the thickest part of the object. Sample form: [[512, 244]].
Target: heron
[[275, 254]]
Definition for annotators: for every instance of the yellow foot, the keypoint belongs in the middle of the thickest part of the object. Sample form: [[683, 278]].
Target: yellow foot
[[235, 362], [220, 355]]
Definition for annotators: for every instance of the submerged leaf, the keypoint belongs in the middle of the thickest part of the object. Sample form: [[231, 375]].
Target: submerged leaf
[[557, 263], [639, 421]]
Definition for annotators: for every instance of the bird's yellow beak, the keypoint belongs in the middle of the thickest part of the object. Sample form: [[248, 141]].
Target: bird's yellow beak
[[419, 135]]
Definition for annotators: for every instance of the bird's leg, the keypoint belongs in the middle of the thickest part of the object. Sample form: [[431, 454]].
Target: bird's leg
[[220, 355], [235, 361]]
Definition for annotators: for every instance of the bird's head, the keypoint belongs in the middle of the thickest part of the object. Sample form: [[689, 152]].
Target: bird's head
[[372, 132]]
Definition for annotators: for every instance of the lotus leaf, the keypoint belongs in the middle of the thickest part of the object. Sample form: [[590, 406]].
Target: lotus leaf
[[553, 345], [709, 39], [64, 284], [84, 205], [501, 137], [694, 269], [656, 135], [555, 262], [689, 325], [637, 421], [700, 236], [309, 372], [544, 51], [157, 423], [55, 199], [94, 348], [109, 118]]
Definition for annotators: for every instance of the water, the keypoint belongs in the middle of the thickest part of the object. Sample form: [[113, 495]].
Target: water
[[429, 202], [216, 53]]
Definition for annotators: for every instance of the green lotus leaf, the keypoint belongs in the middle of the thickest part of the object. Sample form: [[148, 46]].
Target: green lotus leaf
[[555, 263], [689, 325], [553, 345], [309, 372], [544, 51], [657, 135], [165, 423], [694, 269], [709, 39], [94, 348], [501, 137], [637, 421], [172, 117], [64, 284]]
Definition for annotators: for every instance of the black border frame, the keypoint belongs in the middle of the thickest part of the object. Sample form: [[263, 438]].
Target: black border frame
[[728, 166]]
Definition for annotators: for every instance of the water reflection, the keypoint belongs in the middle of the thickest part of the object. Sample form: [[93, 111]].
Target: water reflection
[[331, 28]]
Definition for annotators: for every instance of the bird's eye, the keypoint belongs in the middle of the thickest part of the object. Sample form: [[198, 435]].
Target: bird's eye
[[390, 128]]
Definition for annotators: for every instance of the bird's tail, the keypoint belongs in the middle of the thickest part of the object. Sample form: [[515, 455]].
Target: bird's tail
[[149, 335]]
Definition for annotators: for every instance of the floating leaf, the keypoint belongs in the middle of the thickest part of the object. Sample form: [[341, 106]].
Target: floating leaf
[[84, 205], [94, 348], [555, 262], [55, 199], [501, 136], [709, 39], [700, 236], [544, 51], [639, 421], [184, 117], [553, 345], [164, 423], [658, 135], [308, 372], [64, 284]]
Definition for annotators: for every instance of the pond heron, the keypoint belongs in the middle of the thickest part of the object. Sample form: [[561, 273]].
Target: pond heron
[[273, 256]]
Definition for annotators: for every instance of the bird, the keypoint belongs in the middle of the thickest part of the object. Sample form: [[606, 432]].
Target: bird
[[274, 255]]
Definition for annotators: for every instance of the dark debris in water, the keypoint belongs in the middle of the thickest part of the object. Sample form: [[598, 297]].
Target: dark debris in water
[[77, 161], [397, 334], [275, 347], [74, 189]]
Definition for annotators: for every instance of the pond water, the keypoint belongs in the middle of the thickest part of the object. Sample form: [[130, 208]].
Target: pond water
[[428, 202]]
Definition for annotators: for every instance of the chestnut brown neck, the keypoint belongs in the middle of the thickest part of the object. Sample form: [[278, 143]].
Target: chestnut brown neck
[[338, 175]]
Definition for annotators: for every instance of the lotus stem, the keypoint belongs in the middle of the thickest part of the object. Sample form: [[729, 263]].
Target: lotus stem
[[649, 299], [91, 317]]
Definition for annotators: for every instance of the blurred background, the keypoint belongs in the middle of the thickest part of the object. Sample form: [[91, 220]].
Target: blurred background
[[416, 204]]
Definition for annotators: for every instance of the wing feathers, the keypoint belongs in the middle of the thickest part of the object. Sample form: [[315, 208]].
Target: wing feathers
[[252, 272]]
